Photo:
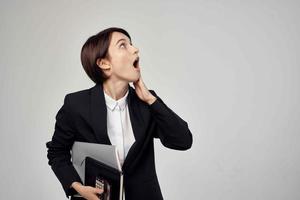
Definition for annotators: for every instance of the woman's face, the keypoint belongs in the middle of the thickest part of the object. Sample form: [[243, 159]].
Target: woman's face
[[122, 57]]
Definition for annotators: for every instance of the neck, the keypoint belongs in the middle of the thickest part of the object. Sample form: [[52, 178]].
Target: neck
[[115, 90]]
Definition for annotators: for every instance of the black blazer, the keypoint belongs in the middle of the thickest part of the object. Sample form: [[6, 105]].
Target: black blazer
[[82, 117]]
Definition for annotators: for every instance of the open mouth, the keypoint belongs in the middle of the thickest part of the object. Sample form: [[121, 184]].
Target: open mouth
[[136, 63]]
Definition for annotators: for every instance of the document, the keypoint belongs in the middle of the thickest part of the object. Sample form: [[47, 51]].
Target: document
[[103, 153]]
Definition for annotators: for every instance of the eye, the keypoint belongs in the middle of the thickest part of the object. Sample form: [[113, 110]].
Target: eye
[[122, 44]]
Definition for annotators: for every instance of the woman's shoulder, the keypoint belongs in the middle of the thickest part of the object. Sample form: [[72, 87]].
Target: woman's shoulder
[[78, 94], [78, 98]]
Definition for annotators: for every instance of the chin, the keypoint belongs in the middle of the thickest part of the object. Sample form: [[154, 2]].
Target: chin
[[136, 78], [132, 78]]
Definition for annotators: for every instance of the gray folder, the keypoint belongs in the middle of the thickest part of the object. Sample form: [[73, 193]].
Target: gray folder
[[105, 153], [102, 152]]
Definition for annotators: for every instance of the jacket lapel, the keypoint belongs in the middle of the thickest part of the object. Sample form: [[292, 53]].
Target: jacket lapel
[[99, 120], [138, 128], [98, 114]]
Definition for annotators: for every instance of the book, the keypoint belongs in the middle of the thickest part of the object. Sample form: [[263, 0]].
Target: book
[[100, 175], [97, 155]]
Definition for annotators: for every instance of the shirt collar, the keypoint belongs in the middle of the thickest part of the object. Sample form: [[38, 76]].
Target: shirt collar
[[112, 103]]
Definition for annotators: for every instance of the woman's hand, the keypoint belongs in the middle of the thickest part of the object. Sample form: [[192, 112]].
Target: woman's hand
[[87, 192], [143, 92]]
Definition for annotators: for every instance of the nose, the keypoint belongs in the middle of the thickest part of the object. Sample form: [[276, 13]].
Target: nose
[[136, 50]]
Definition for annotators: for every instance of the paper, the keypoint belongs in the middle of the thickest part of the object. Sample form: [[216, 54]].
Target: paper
[[102, 152]]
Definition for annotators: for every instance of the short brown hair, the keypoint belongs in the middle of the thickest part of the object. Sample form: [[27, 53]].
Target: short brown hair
[[96, 47]]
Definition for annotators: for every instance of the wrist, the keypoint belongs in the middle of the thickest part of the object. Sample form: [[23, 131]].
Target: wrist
[[76, 185], [151, 100]]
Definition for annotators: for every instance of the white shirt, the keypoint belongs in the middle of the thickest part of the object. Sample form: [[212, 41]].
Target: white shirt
[[119, 125]]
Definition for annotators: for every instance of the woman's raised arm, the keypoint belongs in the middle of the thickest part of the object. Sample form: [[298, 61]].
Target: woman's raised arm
[[172, 130]]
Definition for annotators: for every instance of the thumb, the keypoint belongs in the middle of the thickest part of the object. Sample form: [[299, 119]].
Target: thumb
[[98, 190]]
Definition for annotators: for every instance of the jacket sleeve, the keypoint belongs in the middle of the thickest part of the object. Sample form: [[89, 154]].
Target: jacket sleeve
[[172, 131], [58, 153]]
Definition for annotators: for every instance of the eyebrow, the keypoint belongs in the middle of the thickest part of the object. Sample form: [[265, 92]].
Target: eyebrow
[[120, 40]]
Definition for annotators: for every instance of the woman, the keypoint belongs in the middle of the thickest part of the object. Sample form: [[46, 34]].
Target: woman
[[112, 112]]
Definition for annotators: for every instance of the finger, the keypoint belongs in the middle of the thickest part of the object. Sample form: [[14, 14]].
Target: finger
[[142, 83], [98, 190], [141, 78], [135, 82], [95, 197]]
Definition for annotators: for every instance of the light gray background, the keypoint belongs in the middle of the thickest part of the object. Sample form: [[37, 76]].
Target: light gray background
[[229, 68]]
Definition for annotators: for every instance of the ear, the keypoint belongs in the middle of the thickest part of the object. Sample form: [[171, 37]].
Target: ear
[[105, 66], [103, 63]]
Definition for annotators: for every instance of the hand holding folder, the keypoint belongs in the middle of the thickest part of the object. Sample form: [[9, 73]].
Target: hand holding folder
[[98, 166], [98, 174]]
